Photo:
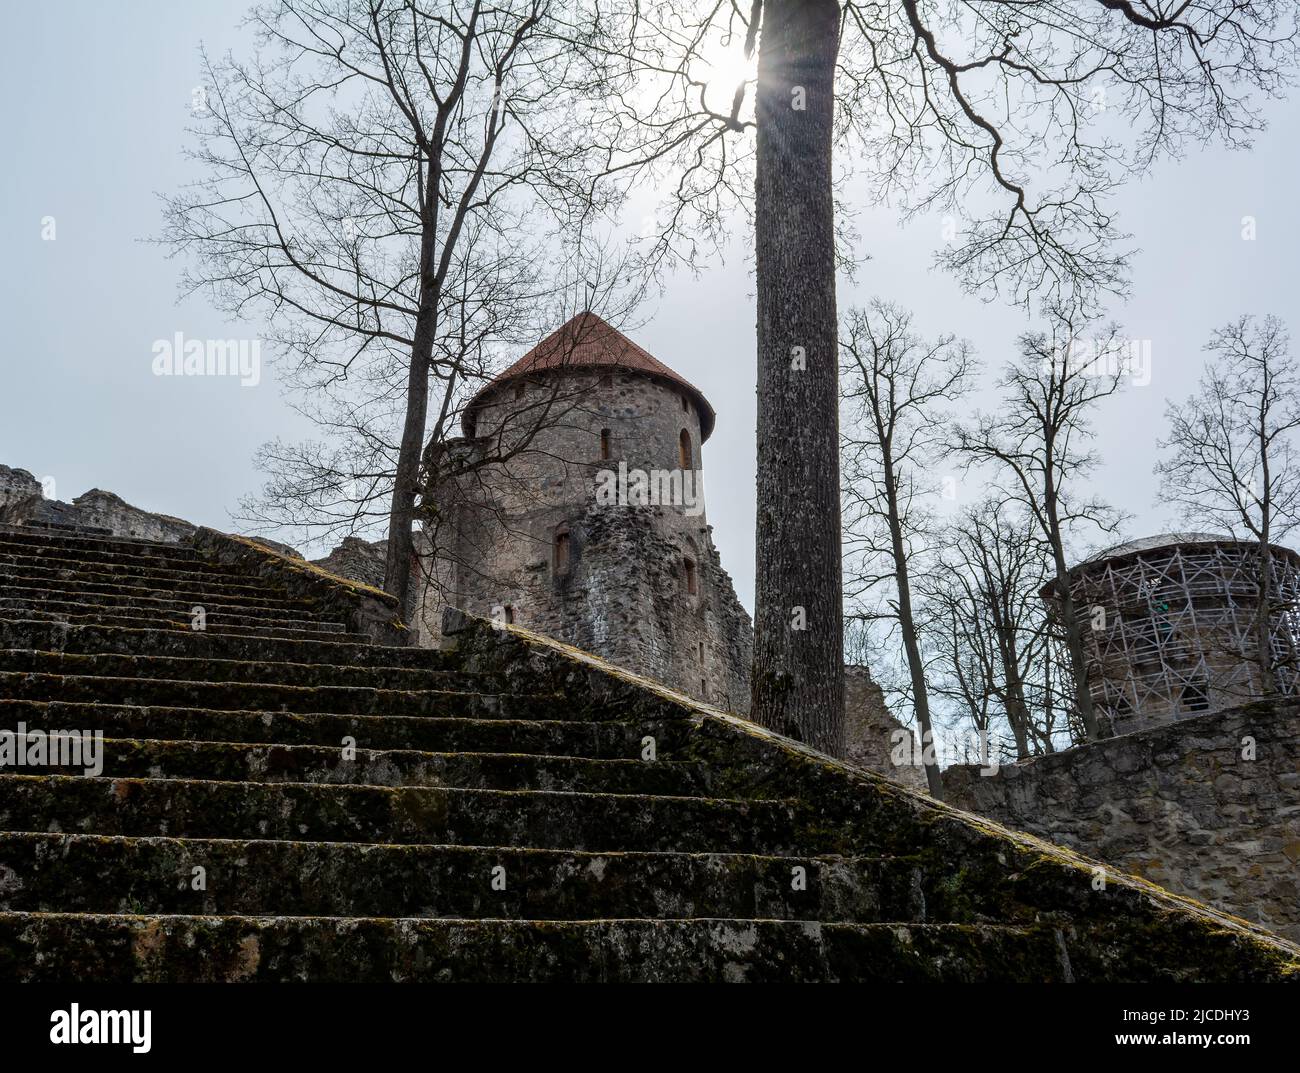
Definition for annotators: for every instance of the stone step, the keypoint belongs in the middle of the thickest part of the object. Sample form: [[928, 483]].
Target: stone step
[[52, 557], [276, 629], [257, 696], [78, 543], [734, 854], [210, 670], [112, 640], [93, 874], [95, 604], [545, 819], [54, 571], [222, 761], [596, 740], [119, 593], [68, 947], [64, 527]]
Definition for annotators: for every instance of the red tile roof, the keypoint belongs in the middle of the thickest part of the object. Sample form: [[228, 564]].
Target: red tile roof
[[588, 342]]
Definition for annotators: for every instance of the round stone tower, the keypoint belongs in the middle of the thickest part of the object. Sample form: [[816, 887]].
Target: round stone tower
[[1169, 625], [574, 506]]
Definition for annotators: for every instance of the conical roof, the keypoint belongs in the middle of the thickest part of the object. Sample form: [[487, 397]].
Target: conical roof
[[587, 341]]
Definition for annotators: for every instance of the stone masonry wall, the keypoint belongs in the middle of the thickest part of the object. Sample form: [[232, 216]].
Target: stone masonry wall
[[357, 559], [1182, 805], [22, 501], [98, 509], [17, 486], [872, 734]]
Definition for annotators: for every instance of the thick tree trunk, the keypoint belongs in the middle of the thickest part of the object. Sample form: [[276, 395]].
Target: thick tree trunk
[[798, 680], [401, 545]]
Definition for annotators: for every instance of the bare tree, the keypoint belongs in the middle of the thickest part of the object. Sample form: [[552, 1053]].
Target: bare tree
[[963, 662], [392, 185], [1037, 445], [894, 388], [985, 619], [341, 483], [998, 111], [1233, 461]]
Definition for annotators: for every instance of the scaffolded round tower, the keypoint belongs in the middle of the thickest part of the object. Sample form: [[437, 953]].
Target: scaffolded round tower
[[1169, 625]]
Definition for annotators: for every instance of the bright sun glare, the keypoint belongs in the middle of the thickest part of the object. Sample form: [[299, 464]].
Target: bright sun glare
[[724, 69]]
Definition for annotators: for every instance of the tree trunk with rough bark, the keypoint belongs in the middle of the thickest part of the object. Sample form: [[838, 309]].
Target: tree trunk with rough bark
[[1016, 705], [401, 544], [907, 624], [798, 680]]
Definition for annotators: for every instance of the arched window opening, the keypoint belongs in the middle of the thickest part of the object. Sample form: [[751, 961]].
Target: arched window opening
[[604, 444], [684, 450], [1195, 698], [692, 580], [561, 552], [686, 406], [508, 612]]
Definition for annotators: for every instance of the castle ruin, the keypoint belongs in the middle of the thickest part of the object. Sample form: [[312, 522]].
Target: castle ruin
[[1170, 625], [576, 509], [574, 505]]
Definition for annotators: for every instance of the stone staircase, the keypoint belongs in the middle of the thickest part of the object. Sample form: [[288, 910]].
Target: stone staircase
[[282, 797]]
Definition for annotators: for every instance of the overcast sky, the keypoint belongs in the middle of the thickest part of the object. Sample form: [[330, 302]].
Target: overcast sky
[[96, 98]]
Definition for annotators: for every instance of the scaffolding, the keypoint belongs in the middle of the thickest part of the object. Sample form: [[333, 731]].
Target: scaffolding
[[1169, 626]]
